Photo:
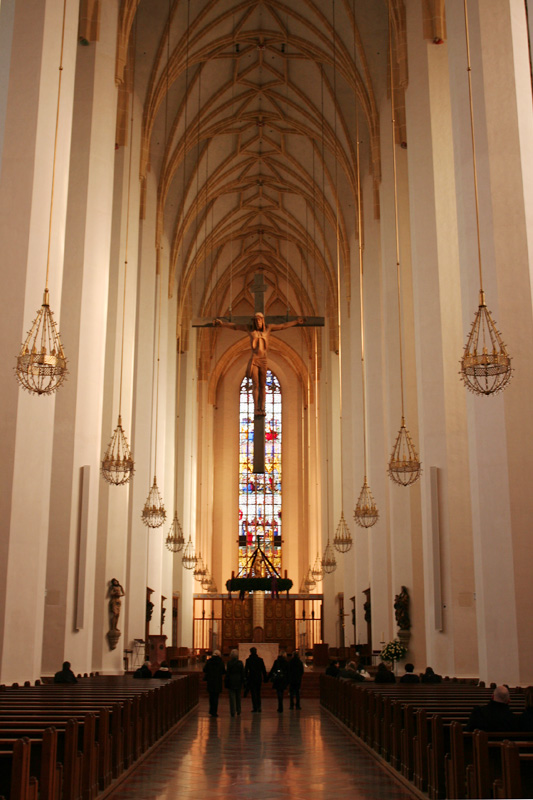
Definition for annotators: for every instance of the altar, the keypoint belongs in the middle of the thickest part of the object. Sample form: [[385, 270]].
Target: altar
[[268, 651]]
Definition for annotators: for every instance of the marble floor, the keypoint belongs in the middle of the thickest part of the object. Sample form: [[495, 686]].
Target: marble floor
[[296, 754]]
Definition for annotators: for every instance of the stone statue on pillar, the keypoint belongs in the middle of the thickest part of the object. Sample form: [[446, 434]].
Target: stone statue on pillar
[[115, 594]]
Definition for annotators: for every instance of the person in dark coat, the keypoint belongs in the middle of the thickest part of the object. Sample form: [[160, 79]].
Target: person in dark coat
[[333, 669], [255, 674], [495, 716], [234, 682], [164, 672], [144, 672], [350, 672], [383, 674], [296, 671], [279, 675], [525, 719], [214, 669], [430, 677], [409, 676], [65, 675]]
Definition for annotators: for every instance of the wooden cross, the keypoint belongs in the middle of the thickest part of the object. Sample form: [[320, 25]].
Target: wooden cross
[[259, 289]]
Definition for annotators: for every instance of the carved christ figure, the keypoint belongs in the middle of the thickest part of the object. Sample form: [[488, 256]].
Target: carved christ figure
[[259, 332]]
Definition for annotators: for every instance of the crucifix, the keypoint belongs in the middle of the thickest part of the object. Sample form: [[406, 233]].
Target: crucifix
[[259, 329]]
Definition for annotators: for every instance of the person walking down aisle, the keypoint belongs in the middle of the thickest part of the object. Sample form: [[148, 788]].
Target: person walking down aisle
[[296, 671], [214, 669], [255, 673], [279, 675], [234, 681]]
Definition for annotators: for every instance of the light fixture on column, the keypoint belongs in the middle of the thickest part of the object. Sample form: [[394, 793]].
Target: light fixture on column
[[154, 513], [365, 513], [486, 364], [199, 571], [188, 558], [404, 466], [329, 562], [317, 571], [309, 580], [175, 539], [117, 464], [42, 364], [342, 541]]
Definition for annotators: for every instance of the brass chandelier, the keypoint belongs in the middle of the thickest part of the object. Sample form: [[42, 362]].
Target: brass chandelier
[[154, 514], [329, 562], [175, 539], [404, 465], [41, 364], [117, 465], [188, 558], [365, 513], [486, 364]]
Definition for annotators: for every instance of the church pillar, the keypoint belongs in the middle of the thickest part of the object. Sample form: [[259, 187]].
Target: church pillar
[[500, 428], [446, 514], [27, 424], [68, 626]]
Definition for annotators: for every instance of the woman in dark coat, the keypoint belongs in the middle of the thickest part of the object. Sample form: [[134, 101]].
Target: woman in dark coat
[[234, 682], [296, 671], [383, 674], [213, 671], [279, 675]]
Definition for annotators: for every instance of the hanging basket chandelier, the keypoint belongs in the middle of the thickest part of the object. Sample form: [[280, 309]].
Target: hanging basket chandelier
[[206, 581], [366, 512], [404, 466], [342, 541], [189, 556], [304, 589], [329, 562], [41, 364], [309, 581], [154, 514], [199, 571], [117, 464], [175, 539], [485, 365], [317, 571]]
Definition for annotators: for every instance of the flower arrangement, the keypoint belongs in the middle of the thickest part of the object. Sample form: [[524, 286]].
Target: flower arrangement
[[393, 651]]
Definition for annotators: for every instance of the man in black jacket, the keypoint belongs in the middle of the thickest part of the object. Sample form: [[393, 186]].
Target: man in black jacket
[[214, 669], [495, 716], [255, 674]]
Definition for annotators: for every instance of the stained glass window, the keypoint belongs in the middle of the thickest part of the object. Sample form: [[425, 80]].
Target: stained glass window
[[260, 495]]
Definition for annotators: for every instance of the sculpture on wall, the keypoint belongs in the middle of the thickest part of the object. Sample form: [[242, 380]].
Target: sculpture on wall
[[401, 610], [259, 332], [115, 593], [149, 610]]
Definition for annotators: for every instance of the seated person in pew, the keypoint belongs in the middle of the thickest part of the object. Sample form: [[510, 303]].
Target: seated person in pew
[[495, 716], [144, 672], [430, 677], [333, 669], [383, 674], [409, 676], [65, 675], [525, 720], [164, 672], [350, 671]]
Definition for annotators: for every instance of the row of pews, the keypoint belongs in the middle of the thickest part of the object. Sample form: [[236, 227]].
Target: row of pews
[[72, 742], [420, 731]]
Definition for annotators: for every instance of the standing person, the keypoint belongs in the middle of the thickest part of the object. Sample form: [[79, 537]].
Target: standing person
[[214, 669], [279, 675], [255, 674], [234, 681], [296, 671]]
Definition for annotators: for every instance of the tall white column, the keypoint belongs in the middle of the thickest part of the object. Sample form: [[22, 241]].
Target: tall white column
[[27, 422]]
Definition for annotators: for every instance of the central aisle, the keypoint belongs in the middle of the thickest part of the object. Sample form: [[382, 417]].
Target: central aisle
[[296, 754]]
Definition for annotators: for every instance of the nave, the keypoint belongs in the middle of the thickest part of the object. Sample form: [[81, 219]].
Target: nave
[[297, 754]]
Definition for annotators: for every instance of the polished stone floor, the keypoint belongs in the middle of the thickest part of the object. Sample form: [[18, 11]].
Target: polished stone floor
[[296, 754]]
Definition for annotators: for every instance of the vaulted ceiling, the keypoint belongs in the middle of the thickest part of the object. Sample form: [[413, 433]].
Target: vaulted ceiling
[[250, 117]]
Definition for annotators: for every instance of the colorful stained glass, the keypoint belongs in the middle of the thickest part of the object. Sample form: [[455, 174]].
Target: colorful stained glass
[[260, 495]]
